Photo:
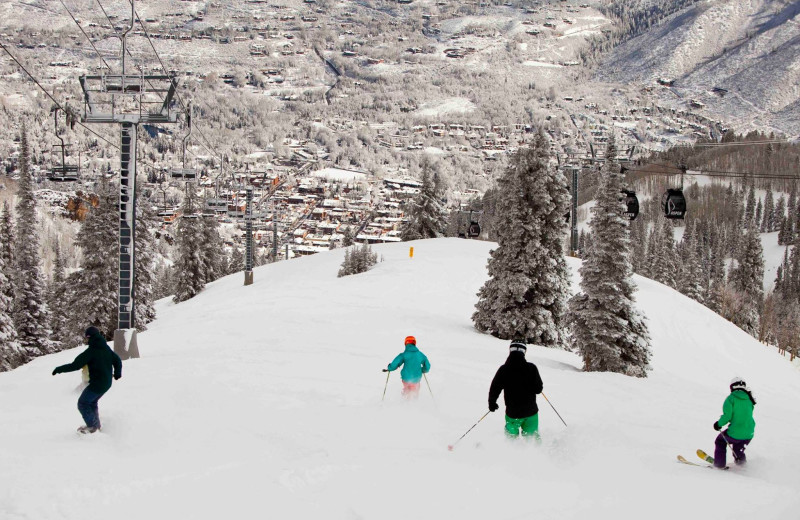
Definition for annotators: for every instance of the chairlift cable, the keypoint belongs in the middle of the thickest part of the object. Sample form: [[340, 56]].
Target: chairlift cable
[[87, 36], [177, 93]]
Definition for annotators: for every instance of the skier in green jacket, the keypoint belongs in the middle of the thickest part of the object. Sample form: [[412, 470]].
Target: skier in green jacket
[[737, 413], [100, 360]]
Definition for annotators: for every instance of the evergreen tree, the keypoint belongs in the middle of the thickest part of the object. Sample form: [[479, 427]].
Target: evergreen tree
[[8, 288], [768, 217], [750, 207], [791, 216], [525, 295], [92, 291], [691, 282], [57, 299], [190, 267], [236, 263], [145, 275], [747, 278], [427, 218], [11, 354], [758, 218], [214, 259], [347, 236], [31, 316], [607, 330]]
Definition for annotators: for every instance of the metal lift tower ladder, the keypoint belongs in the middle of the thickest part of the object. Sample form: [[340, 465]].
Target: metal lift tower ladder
[[128, 100]]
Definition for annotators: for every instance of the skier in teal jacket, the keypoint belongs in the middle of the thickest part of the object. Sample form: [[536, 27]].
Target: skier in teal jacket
[[737, 412], [415, 363], [100, 360]]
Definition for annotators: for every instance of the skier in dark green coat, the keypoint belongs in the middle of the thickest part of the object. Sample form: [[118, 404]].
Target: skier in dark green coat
[[100, 360]]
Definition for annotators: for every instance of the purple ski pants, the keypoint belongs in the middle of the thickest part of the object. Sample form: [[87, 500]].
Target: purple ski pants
[[720, 449]]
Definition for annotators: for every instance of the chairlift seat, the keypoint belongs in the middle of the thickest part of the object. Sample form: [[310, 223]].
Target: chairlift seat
[[183, 173]]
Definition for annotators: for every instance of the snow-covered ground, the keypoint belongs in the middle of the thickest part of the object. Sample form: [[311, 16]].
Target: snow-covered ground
[[265, 402]]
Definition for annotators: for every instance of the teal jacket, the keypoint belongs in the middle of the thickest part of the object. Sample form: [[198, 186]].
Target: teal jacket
[[414, 364], [738, 411], [100, 359]]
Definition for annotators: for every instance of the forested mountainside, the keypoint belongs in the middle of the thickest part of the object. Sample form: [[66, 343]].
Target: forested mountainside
[[740, 59]]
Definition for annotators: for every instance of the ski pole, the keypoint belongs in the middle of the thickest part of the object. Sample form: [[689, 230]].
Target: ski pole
[[386, 385], [451, 446], [554, 408], [429, 386]]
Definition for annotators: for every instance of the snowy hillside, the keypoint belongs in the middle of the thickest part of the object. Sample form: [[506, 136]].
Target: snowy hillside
[[265, 402], [749, 48]]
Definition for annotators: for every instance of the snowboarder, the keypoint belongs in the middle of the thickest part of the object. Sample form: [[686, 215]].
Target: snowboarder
[[100, 359], [415, 364], [519, 380], [738, 411]]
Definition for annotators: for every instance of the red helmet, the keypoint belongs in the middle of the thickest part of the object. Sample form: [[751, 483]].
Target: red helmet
[[410, 339]]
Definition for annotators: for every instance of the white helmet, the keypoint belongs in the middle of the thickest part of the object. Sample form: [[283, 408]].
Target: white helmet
[[738, 383]]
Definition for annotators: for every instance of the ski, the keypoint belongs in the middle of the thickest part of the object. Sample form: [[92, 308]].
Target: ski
[[705, 456], [682, 459]]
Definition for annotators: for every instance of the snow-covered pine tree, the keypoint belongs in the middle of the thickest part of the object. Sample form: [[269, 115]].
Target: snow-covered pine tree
[[747, 278], [56, 299], [31, 316], [770, 220], [11, 355], [92, 291], [214, 259], [691, 282], [8, 288], [750, 207], [236, 262], [347, 236], [190, 269], [607, 329], [525, 295], [145, 276], [427, 218]]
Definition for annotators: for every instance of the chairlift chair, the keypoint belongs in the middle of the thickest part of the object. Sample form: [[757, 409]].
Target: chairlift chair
[[185, 173], [60, 171]]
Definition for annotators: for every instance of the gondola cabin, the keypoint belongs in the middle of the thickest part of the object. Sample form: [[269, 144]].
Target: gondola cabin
[[674, 203], [474, 230], [631, 204]]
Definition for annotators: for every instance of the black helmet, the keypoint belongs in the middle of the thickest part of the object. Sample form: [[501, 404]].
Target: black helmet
[[92, 331]]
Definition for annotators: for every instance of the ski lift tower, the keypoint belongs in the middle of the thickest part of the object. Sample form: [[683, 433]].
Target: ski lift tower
[[248, 248], [127, 100]]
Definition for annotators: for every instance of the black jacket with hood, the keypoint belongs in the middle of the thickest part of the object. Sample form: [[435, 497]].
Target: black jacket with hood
[[100, 359], [519, 381]]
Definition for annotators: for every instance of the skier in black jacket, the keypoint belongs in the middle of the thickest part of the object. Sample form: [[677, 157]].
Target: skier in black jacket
[[100, 359], [519, 381]]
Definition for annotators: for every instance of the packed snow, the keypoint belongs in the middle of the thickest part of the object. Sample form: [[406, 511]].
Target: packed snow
[[265, 401]]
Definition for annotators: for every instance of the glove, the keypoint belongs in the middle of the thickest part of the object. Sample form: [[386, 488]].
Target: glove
[[56, 371], [717, 426], [493, 407], [117, 376], [385, 370]]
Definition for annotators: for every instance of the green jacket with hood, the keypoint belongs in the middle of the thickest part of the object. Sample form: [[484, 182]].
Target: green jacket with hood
[[738, 411]]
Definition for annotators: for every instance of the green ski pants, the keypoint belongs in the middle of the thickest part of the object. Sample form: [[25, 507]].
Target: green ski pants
[[528, 425]]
